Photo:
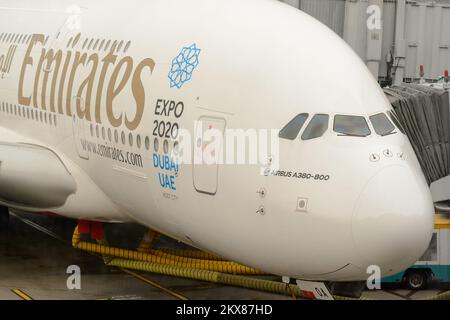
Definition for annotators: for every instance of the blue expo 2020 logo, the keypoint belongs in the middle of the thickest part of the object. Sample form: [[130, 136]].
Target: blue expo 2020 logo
[[183, 66]]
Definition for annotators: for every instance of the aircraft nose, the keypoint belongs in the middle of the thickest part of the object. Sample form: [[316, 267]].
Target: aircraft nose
[[393, 220]]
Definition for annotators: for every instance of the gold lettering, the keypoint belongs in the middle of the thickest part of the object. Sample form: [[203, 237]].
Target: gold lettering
[[63, 82], [28, 60], [80, 59], [139, 93], [109, 59], [52, 72], [113, 92], [87, 85], [51, 58]]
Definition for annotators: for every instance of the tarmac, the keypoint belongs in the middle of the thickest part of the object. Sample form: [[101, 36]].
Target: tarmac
[[37, 261]]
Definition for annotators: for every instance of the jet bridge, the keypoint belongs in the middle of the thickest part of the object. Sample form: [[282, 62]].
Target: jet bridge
[[423, 110]]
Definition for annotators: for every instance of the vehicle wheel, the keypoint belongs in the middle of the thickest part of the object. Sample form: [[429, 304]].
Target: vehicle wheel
[[416, 280], [4, 218]]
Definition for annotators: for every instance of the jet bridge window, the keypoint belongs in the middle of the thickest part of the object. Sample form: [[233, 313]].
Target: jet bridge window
[[382, 125], [316, 127], [354, 126], [292, 129]]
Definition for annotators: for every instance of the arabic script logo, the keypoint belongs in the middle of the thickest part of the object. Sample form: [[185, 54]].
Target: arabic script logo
[[183, 66]]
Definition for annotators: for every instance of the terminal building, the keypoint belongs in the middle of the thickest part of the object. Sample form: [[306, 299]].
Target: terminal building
[[394, 37]]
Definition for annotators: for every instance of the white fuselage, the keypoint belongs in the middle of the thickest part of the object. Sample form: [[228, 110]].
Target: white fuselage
[[254, 66]]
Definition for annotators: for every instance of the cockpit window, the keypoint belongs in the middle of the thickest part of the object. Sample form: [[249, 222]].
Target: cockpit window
[[396, 122], [354, 126], [382, 125], [317, 127], [291, 130]]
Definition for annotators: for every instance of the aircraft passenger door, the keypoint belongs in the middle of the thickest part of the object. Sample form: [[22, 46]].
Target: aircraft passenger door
[[79, 135], [208, 153]]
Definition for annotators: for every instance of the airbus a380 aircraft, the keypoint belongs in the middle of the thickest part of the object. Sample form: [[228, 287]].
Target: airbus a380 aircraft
[[94, 96]]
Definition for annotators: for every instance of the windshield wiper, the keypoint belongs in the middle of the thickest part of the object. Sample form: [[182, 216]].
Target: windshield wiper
[[390, 133], [350, 135]]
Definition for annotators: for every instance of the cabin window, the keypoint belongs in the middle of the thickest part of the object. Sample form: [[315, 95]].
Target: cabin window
[[176, 148], [107, 45], [138, 141], [120, 46], [317, 127], [382, 125], [292, 129], [354, 126], [101, 44], [130, 139], [127, 46], [96, 44]]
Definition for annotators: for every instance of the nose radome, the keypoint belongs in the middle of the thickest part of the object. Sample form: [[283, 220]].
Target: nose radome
[[393, 220]]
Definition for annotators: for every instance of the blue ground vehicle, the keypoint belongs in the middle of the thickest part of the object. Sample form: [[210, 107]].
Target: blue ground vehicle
[[434, 264]]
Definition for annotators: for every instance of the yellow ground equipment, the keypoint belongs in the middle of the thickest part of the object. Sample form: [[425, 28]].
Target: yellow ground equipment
[[192, 264]]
